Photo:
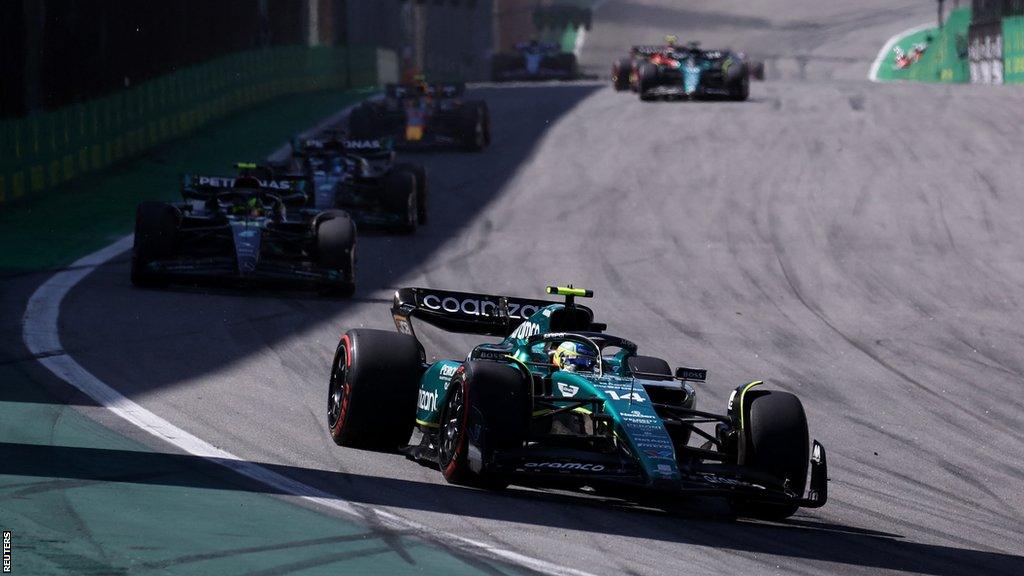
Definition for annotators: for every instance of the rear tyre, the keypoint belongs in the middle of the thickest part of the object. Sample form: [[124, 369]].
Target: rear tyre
[[495, 393], [400, 199], [371, 399], [475, 126], [777, 446], [504, 63], [421, 188], [565, 61], [336, 250], [739, 89], [156, 228], [620, 74]]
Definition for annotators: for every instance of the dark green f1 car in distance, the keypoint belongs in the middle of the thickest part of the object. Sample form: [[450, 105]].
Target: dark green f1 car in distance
[[558, 402]]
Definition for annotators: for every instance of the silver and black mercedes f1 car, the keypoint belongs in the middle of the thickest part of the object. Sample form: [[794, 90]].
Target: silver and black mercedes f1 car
[[244, 230]]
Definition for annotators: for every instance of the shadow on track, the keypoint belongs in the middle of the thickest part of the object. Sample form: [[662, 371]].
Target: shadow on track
[[184, 333], [69, 467]]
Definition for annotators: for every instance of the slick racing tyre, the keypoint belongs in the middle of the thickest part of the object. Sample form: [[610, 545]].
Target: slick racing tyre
[[156, 227], [400, 197], [336, 250], [492, 397], [647, 78], [421, 187], [620, 74], [738, 81], [502, 64], [371, 399], [475, 126], [777, 446], [565, 61]]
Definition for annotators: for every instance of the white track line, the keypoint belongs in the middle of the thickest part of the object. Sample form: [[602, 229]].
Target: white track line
[[887, 49], [41, 334]]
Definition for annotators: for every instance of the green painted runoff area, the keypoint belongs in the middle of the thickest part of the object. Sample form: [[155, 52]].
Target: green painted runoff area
[[82, 499], [941, 62]]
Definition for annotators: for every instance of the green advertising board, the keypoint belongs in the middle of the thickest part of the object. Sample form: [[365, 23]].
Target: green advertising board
[[1013, 50], [46, 149]]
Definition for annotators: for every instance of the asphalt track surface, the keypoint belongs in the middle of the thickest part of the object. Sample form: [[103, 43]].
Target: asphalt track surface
[[858, 244]]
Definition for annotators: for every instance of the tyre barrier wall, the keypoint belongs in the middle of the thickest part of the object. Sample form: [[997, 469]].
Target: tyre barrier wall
[[44, 150]]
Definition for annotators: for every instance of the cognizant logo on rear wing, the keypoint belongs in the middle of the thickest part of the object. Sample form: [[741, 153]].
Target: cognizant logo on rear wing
[[463, 312]]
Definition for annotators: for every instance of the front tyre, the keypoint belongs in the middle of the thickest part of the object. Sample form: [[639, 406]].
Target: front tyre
[[776, 446], [156, 228], [420, 173], [371, 397], [492, 398], [336, 250]]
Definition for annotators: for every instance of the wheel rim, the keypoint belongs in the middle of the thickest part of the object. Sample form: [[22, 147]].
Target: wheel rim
[[336, 389], [452, 426]]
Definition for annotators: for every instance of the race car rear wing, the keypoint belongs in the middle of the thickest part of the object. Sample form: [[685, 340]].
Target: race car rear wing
[[445, 90], [198, 186], [646, 50], [466, 312]]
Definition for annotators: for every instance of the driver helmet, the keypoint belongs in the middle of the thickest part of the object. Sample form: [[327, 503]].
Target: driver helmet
[[671, 40], [575, 357], [252, 207]]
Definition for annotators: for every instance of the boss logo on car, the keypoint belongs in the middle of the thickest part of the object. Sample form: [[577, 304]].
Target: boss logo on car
[[581, 466]]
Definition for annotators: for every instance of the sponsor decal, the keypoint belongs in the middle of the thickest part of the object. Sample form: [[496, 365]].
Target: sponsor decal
[[403, 325], [363, 144], [712, 479], [491, 355], [448, 370], [731, 398], [664, 469], [476, 307], [525, 330], [658, 453], [580, 466], [220, 182], [427, 401], [568, 389]]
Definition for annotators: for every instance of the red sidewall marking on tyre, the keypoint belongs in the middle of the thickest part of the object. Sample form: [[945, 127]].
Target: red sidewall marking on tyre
[[464, 430], [346, 344]]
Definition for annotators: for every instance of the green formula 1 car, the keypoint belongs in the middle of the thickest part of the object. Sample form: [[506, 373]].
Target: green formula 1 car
[[558, 402]]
